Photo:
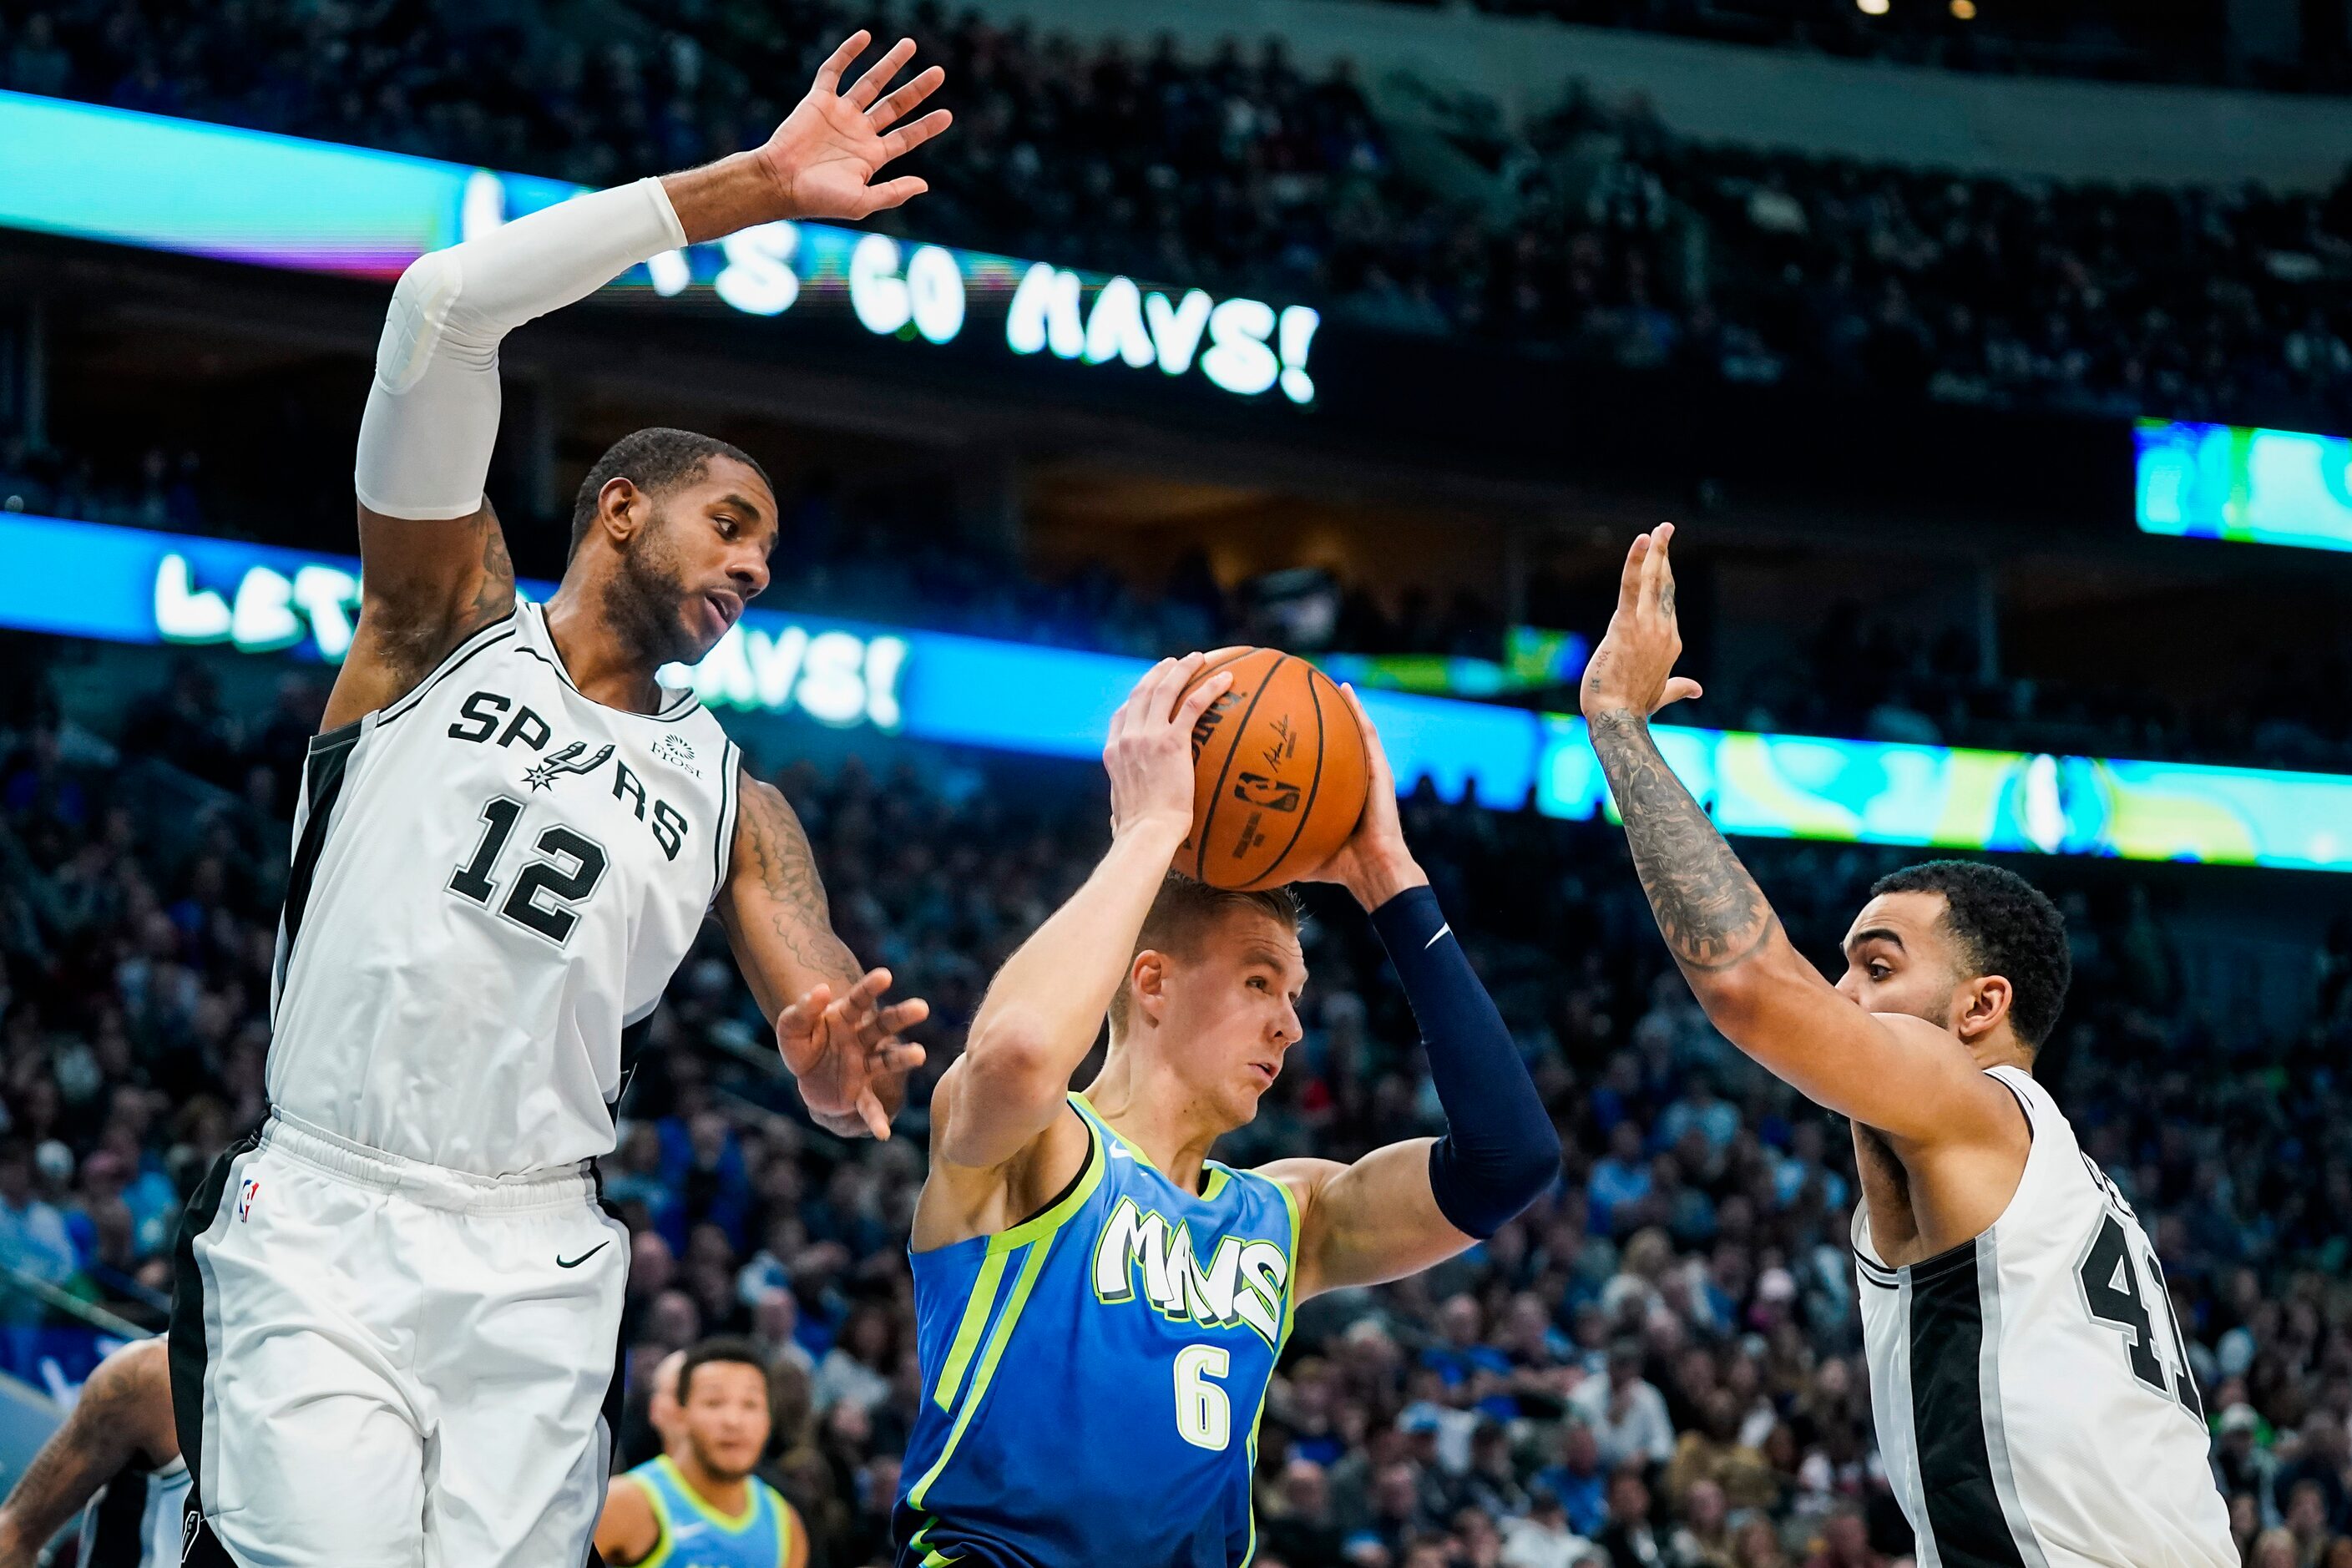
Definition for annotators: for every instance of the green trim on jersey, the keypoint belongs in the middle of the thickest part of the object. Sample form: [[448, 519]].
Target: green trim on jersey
[[658, 1498], [1036, 1234]]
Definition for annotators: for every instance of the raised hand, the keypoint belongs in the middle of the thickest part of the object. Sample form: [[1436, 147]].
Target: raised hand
[[1373, 864], [1633, 669], [846, 1055], [825, 156], [1149, 752]]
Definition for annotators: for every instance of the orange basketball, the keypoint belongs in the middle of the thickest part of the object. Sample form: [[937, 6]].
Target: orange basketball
[[1279, 773]]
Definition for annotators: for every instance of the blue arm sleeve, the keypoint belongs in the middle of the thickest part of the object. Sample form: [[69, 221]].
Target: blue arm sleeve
[[1499, 1151]]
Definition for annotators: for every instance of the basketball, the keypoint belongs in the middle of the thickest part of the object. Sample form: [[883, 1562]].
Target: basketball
[[1279, 773]]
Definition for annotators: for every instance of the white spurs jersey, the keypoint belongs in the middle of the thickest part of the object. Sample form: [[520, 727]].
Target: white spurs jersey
[[493, 876], [2032, 1388]]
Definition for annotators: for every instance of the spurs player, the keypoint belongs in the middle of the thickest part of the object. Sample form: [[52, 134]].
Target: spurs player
[[116, 1461], [2032, 1388], [394, 1331]]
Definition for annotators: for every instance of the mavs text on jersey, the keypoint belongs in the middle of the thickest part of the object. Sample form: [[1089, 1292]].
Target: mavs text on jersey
[[1100, 1369]]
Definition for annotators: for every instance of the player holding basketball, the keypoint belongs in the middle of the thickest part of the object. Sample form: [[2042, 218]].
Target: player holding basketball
[[395, 1310], [2033, 1393], [1100, 1305]]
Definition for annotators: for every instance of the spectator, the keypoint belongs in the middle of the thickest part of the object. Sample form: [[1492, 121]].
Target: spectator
[[1626, 1411], [1543, 1538]]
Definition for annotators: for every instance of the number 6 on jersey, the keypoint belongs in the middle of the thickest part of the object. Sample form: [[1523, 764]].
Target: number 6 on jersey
[[1205, 1417]]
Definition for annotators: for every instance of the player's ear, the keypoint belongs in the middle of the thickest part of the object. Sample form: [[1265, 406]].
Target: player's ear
[[622, 509], [1147, 983], [1984, 1004]]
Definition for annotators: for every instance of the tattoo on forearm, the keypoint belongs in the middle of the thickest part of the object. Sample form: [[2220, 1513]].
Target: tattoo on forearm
[[74, 1463], [1709, 910], [798, 913]]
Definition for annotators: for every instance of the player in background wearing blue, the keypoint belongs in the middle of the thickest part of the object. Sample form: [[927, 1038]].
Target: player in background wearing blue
[[1099, 1304], [698, 1505]]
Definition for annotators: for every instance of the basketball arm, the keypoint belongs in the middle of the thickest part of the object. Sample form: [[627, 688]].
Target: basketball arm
[[833, 1029], [1409, 1206], [1897, 1075], [124, 1413], [1403, 1207], [1045, 1006], [436, 566]]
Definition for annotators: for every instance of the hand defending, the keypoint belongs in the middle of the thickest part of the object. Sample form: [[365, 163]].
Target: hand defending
[[1633, 669], [825, 156], [851, 1065]]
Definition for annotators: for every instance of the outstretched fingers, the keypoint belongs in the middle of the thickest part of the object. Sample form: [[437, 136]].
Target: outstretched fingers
[[828, 75], [802, 1016], [907, 138], [1628, 582], [895, 193], [867, 88], [901, 102]]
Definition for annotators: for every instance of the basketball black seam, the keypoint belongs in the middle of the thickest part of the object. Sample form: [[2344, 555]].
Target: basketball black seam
[[1216, 797], [1201, 850], [1322, 749]]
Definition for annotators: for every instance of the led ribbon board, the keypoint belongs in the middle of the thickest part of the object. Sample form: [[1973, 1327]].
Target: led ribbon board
[[182, 185], [121, 585], [2236, 481]]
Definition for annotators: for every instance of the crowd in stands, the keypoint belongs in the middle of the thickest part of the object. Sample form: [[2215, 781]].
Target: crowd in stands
[[164, 491], [882, 558], [1657, 1364], [1594, 233], [2105, 39]]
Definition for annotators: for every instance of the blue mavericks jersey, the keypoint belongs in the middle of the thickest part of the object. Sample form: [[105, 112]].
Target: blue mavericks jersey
[[1093, 1377], [696, 1535]]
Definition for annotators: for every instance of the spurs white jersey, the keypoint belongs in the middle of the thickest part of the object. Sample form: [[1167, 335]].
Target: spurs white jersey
[[493, 878], [2034, 1404]]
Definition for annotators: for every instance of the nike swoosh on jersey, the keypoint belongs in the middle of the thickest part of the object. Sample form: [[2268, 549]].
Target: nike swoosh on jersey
[[561, 1262]]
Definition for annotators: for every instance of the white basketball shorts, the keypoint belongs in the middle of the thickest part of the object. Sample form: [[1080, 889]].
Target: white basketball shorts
[[378, 1364]]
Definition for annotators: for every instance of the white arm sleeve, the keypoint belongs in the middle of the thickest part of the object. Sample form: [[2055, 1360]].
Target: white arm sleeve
[[433, 414]]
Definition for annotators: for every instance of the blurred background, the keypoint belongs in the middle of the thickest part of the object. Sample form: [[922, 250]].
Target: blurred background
[[1995, 358]]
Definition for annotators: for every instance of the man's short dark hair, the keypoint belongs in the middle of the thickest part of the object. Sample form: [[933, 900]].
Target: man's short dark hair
[[2002, 925], [1183, 909], [728, 1348], [656, 461]]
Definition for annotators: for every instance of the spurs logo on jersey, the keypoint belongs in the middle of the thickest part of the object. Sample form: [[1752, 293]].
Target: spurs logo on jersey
[[2032, 1388], [493, 878], [1242, 1281]]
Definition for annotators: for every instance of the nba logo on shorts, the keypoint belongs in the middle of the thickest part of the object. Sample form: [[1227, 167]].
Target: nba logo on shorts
[[246, 1193]]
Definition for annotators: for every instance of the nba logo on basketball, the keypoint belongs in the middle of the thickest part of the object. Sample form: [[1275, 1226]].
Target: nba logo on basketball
[[246, 1193]]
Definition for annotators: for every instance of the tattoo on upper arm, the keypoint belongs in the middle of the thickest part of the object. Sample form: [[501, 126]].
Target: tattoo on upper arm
[[495, 594], [1709, 910], [772, 846]]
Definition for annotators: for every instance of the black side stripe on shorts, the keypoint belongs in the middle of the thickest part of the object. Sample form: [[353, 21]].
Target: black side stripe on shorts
[[189, 1351], [117, 1522], [1949, 1416], [615, 1391], [330, 754]]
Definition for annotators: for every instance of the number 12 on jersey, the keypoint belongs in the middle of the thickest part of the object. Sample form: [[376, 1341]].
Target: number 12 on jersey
[[545, 896]]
